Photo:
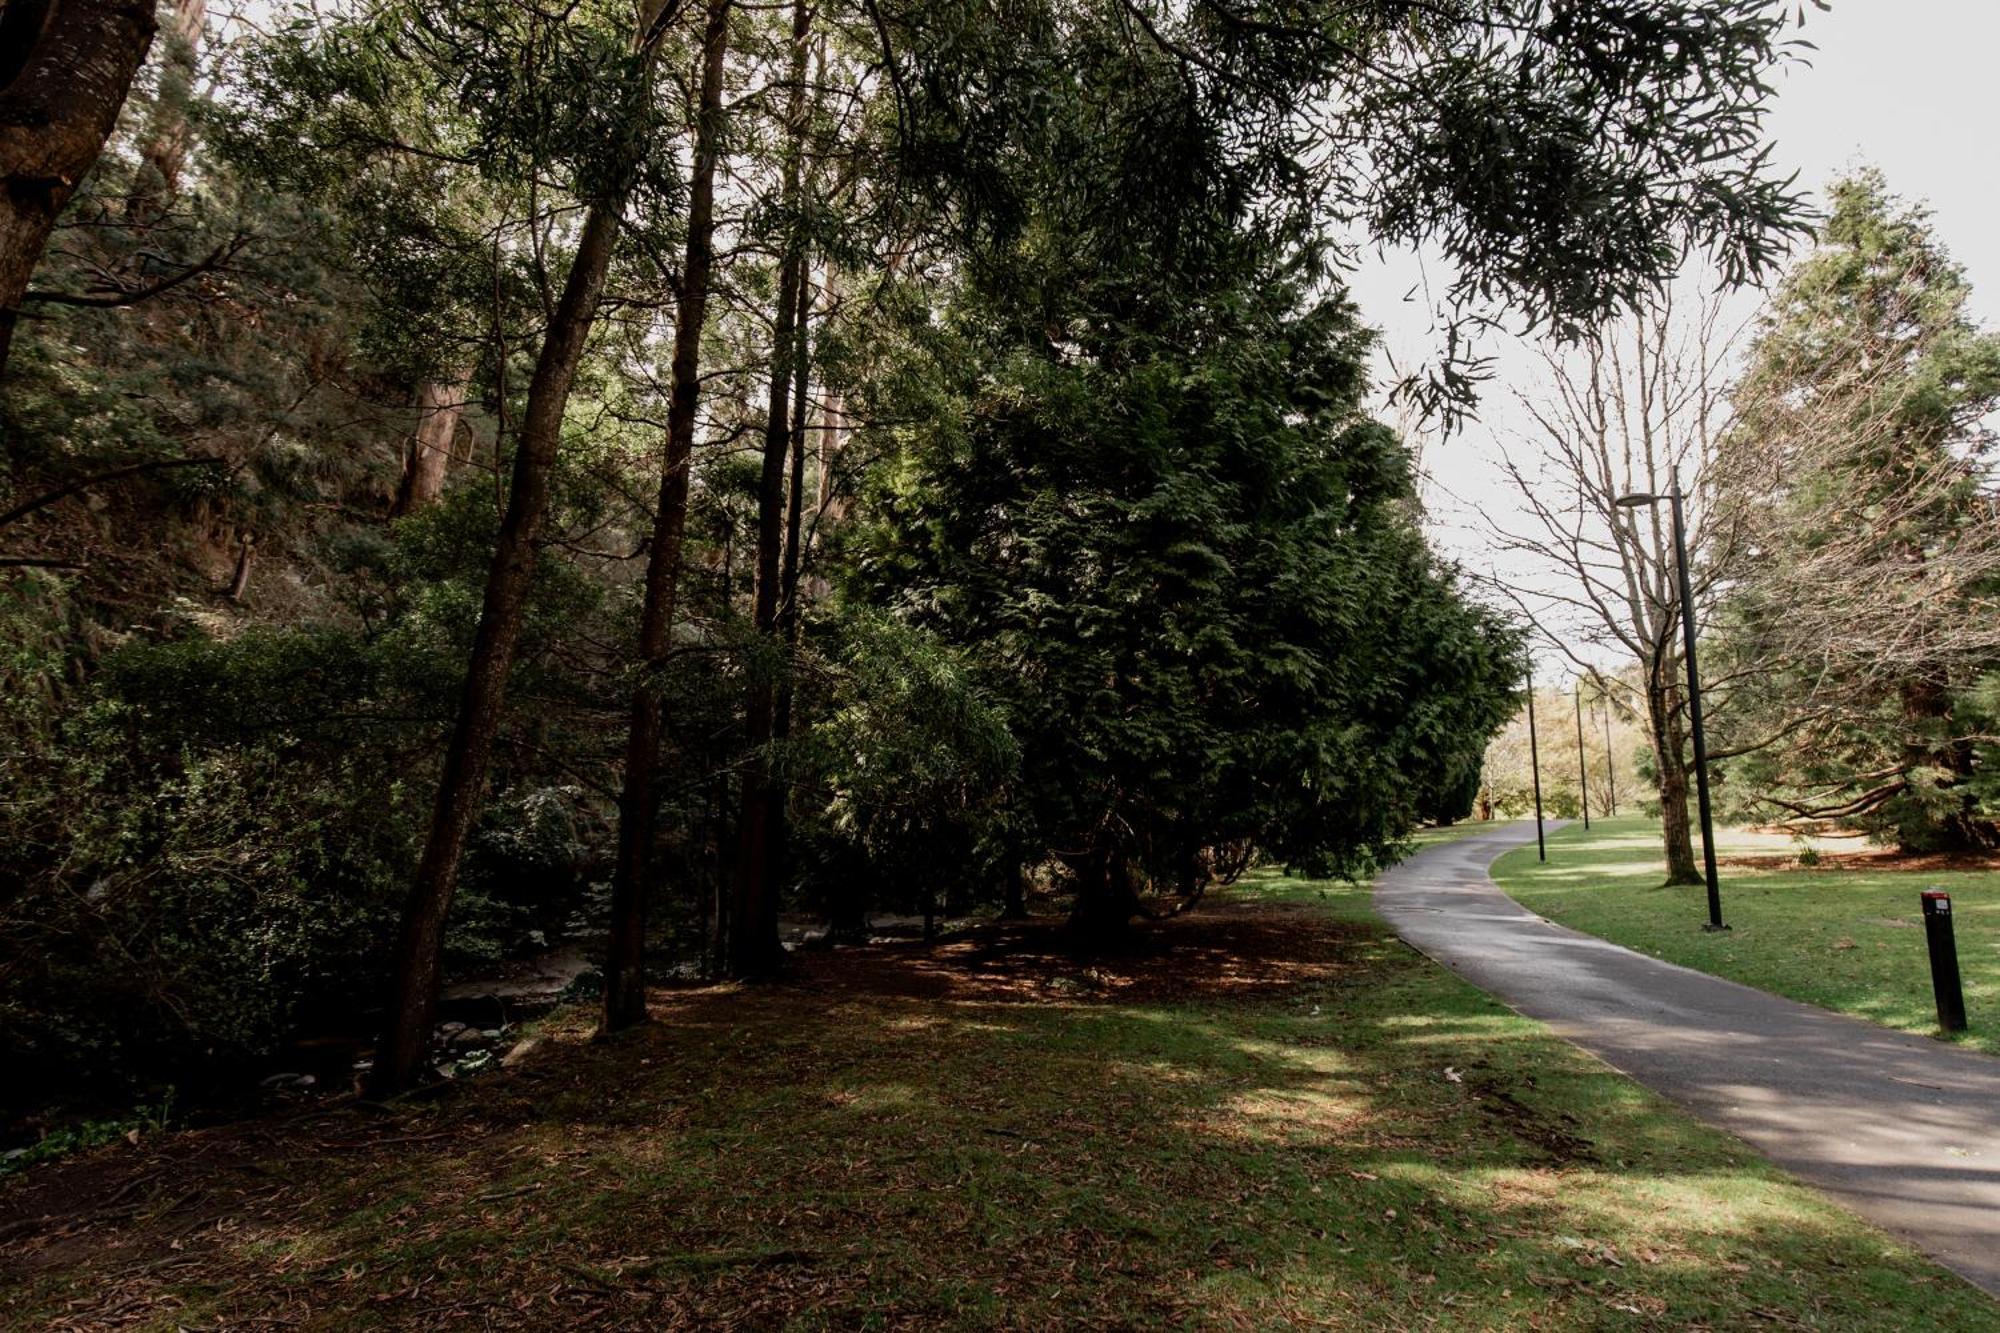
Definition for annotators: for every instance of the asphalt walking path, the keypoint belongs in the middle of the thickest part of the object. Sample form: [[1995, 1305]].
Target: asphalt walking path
[[1902, 1129]]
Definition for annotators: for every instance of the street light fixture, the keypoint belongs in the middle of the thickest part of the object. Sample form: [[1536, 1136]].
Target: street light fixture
[[1646, 499]]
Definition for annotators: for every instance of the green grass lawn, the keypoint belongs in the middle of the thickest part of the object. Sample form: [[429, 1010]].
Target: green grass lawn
[[1286, 1120], [1848, 939]]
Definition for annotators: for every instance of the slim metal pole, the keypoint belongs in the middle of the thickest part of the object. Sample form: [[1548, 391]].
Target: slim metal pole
[[1694, 713], [1610, 760], [1582, 756], [1535, 767]]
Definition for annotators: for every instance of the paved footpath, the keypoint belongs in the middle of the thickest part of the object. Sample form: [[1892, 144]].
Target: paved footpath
[[1902, 1129]]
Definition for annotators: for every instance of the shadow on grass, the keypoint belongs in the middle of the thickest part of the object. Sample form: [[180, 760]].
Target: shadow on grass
[[1276, 1116]]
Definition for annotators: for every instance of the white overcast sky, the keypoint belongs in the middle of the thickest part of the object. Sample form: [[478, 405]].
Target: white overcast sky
[[1908, 86]]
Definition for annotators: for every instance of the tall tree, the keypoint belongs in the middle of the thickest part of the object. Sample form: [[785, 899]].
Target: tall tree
[[65, 68], [1638, 406], [413, 995], [1189, 564], [1861, 472], [625, 975], [754, 946]]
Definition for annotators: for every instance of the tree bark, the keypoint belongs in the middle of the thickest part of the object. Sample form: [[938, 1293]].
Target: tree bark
[[791, 614], [239, 581], [72, 64], [440, 405], [1676, 830], [625, 964], [413, 990], [755, 947]]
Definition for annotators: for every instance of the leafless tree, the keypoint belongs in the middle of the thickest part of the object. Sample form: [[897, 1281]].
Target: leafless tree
[[1639, 407]]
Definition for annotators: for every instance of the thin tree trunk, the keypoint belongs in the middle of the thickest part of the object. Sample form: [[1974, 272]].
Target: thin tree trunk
[[1015, 891], [723, 801], [791, 614], [65, 68], [413, 996], [440, 405], [239, 582], [625, 967], [163, 151], [756, 950]]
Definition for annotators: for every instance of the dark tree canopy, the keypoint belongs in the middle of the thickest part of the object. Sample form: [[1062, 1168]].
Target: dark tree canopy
[[472, 464]]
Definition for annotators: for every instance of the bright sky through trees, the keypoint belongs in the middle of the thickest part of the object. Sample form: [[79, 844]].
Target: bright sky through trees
[[1883, 90]]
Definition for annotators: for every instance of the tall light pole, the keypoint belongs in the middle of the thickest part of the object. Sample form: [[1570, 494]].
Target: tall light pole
[[1610, 760], [1535, 767], [1582, 756], [1646, 498]]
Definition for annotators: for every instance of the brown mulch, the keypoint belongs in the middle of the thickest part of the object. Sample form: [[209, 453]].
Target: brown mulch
[[1224, 949], [1870, 859]]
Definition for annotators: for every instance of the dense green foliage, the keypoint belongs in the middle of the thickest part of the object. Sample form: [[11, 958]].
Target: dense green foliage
[[1106, 580], [1190, 566]]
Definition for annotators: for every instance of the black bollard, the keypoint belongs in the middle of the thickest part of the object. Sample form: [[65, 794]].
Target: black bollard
[[1944, 960]]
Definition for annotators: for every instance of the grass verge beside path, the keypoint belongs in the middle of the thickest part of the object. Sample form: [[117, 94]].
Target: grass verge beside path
[[1841, 936], [1286, 1119]]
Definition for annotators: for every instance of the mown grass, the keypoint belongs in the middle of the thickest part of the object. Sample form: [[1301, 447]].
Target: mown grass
[[1847, 939], [1323, 1130]]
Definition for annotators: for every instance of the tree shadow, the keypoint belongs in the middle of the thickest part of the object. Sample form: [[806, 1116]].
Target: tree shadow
[[1271, 1115]]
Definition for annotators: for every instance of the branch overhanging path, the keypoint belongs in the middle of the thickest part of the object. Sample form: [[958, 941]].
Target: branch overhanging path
[[1901, 1129]]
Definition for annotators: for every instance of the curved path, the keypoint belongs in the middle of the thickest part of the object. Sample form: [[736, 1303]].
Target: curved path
[[1902, 1129]]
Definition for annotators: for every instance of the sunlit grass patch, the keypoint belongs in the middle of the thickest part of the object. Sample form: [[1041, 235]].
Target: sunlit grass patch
[[1846, 934], [1357, 1141]]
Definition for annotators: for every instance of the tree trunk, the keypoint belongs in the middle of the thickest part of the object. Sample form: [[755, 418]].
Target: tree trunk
[[722, 801], [440, 404], [1015, 891], [756, 950], [1958, 827], [246, 549], [65, 68], [1676, 830], [790, 613], [163, 151], [1101, 917], [413, 995], [625, 965]]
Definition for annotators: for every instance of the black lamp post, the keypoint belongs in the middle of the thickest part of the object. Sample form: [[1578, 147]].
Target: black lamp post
[[1535, 767], [1582, 757], [1610, 760], [1646, 498]]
